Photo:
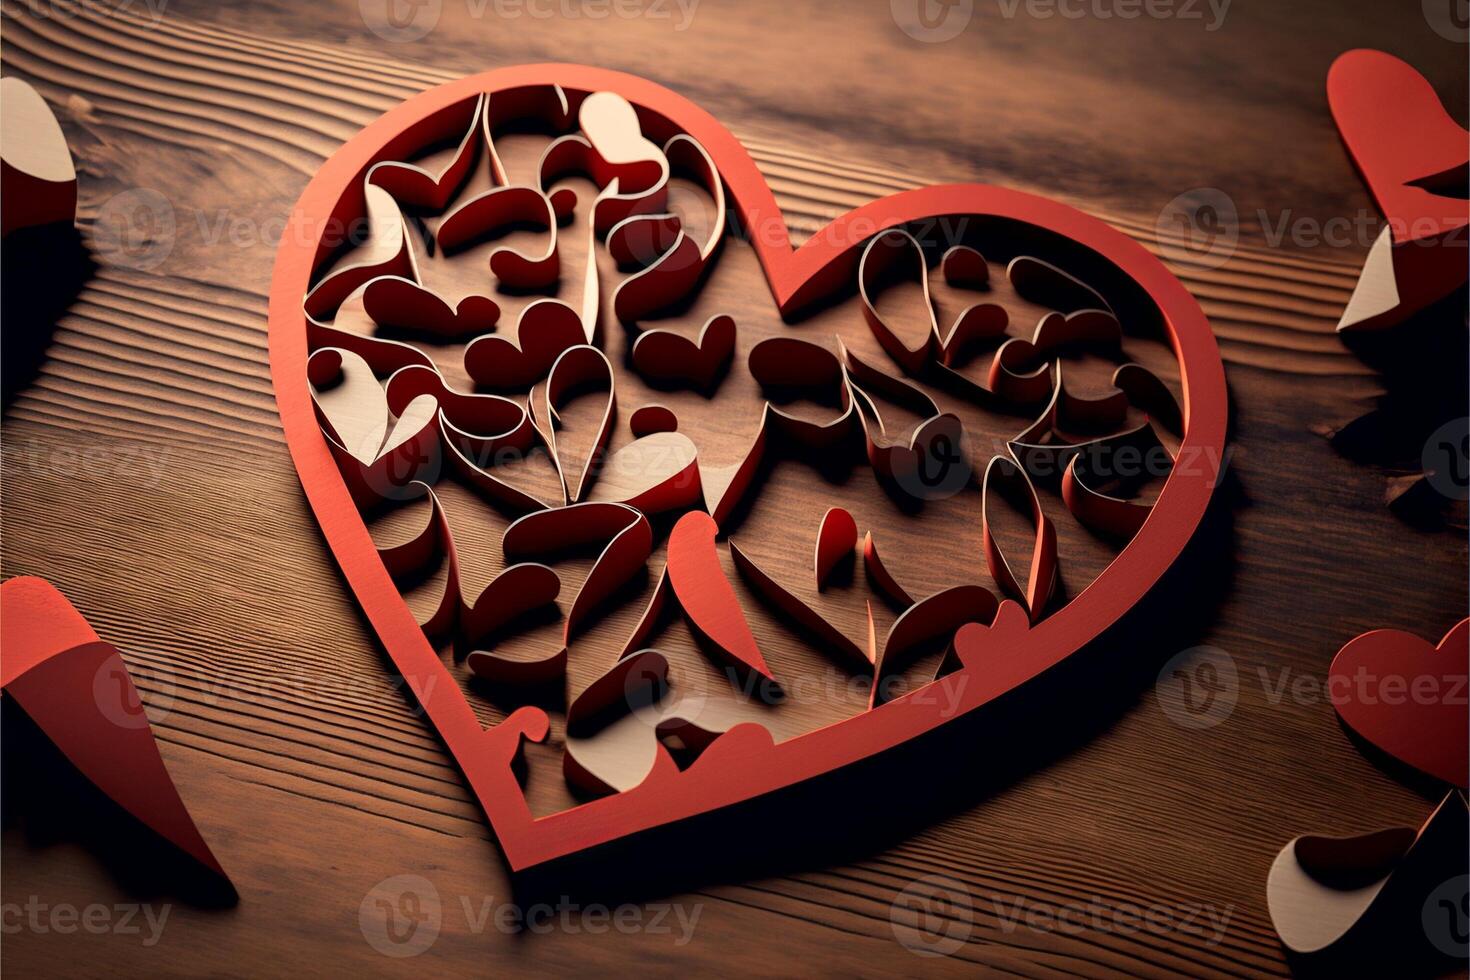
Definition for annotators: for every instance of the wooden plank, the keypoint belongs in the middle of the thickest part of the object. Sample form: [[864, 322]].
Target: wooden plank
[[145, 475]]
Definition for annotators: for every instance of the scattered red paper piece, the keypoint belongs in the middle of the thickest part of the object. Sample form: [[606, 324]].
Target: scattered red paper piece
[[705, 594], [836, 537], [1413, 156], [77, 690]]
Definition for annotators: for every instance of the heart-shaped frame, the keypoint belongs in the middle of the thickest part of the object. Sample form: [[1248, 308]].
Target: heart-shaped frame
[[744, 763]]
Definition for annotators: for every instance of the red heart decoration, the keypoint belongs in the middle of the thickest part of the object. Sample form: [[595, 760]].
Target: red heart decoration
[[745, 762], [1414, 157], [1408, 698], [1400, 136], [669, 357]]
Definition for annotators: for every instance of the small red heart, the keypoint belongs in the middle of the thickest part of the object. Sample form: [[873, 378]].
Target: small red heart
[[668, 357], [1408, 698]]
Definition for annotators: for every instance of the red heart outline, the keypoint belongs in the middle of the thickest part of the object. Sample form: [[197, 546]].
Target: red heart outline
[[744, 763]]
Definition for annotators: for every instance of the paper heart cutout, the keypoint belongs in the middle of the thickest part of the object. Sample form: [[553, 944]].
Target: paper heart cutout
[[1408, 698], [546, 329], [668, 357], [1400, 136], [1415, 159], [746, 762], [393, 301]]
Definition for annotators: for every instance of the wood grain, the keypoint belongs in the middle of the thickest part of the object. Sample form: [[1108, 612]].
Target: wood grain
[[144, 474]]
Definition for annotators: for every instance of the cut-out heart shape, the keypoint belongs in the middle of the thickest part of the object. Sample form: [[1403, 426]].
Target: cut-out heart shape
[[930, 462], [747, 761], [379, 454], [1413, 156], [547, 329], [415, 186], [1408, 698], [670, 358], [577, 369], [396, 302]]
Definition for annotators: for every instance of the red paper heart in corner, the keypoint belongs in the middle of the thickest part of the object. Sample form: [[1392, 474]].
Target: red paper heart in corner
[[745, 762], [1408, 698], [1414, 157]]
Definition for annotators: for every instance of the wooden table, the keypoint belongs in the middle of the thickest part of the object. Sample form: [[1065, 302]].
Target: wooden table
[[146, 476]]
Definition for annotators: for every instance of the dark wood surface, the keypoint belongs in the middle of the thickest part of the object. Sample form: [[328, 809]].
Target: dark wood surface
[[145, 475]]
